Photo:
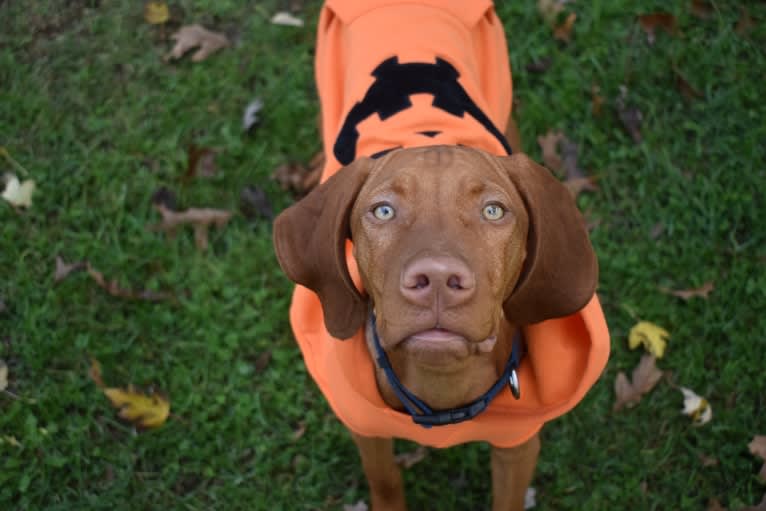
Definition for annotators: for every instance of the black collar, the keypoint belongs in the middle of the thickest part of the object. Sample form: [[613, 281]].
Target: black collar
[[422, 414]]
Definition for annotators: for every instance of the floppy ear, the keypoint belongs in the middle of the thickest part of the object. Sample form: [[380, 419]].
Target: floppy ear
[[310, 241], [560, 271]]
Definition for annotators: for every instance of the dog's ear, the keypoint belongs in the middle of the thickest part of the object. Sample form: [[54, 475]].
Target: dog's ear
[[310, 241], [560, 271]]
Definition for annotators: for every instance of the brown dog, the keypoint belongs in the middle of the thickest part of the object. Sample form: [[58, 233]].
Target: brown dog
[[457, 252]]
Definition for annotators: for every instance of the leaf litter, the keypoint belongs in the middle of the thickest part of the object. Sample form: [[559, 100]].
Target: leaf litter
[[654, 338], [687, 294], [201, 219]]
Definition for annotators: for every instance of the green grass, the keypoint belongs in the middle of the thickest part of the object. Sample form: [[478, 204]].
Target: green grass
[[100, 121]]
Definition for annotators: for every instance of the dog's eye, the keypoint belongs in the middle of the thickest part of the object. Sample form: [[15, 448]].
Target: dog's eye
[[383, 212], [493, 212]]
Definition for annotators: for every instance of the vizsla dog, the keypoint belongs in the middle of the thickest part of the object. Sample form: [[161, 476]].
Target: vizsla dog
[[446, 281]]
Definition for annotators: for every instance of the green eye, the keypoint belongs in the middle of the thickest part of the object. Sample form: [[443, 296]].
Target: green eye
[[493, 212], [383, 212]]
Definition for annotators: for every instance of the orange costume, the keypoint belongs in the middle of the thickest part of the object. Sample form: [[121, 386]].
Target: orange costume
[[406, 73]]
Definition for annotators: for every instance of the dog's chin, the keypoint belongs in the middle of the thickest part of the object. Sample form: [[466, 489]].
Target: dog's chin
[[439, 348]]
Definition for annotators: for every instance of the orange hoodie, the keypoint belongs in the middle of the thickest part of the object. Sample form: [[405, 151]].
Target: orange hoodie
[[407, 73]]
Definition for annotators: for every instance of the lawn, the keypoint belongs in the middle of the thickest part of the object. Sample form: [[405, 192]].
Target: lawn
[[100, 121]]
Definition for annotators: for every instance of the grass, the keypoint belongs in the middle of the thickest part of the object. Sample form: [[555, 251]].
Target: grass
[[100, 121]]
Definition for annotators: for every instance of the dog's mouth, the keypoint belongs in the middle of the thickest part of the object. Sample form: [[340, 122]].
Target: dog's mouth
[[438, 346]]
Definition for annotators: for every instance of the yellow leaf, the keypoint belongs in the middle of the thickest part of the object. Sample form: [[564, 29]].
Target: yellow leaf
[[19, 194], [156, 13], [696, 407], [146, 411], [653, 337]]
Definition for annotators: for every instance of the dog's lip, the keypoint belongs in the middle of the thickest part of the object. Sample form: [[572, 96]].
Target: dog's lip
[[437, 346]]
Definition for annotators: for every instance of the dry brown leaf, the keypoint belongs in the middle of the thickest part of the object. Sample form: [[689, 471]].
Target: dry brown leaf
[[550, 9], [563, 32], [113, 288], [759, 507], [708, 461], [408, 459], [657, 230], [745, 23], [757, 447], [580, 184], [201, 162], [193, 36], [596, 100], [702, 9], [685, 294], [3, 375], [63, 269], [156, 13], [254, 202], [549, 143], [299, 431], [199, 218], [300, 179], [631, 117], [685, 87], [645, 376], [650, 22], [714, 505], [262, 362]]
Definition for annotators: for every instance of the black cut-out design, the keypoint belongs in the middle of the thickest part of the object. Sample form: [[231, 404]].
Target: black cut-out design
[[381, 154], [429, 134], [390, 94]]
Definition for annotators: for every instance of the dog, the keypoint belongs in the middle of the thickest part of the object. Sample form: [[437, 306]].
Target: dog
[[446, 282]]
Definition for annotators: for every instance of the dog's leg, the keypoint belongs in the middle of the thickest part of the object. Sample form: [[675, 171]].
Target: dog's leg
[[512, 471], [383, 475]]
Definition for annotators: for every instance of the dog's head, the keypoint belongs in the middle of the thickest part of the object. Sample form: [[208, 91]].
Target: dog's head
[[448, 241]]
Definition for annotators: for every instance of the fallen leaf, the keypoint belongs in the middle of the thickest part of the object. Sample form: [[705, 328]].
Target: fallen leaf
[[685, 87], [193, 36], [631, 117], [652, 337], [745, 23], [3, 375], [144, 410], [714, 505], [657, 230], [550, 9], [63, 269], [549, 145], [18, 194], [575, 179], [539, 66], [580, 184], [686, 294], [650, 22], [708, 461], [286, 19], [702, 9], [253, 202], [250, 116], [359, 506], [644, 378], [113, 288], [757, 447], [199, 218], [300, 179], [156, 13], [530, 498], [759, 507], [201, 162], [299, 431], [596, 100], [408, 459], [563, 32], [696, 407]]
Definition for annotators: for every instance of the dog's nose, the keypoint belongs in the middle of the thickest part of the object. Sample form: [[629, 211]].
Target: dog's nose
[[427, 278]]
